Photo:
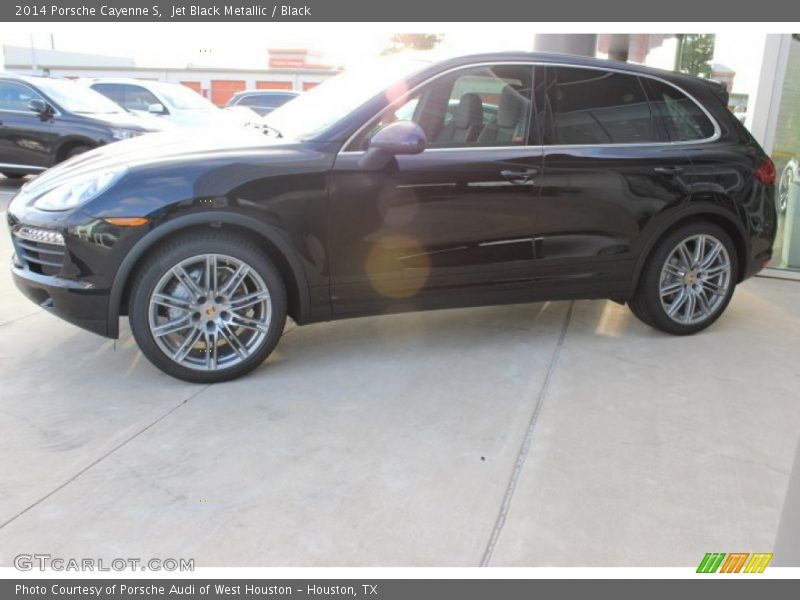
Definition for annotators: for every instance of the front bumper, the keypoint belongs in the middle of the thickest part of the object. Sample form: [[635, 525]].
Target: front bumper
[[73, 278], [73, 301]]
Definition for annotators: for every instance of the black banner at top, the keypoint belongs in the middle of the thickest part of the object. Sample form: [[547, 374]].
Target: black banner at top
[[448, 11]]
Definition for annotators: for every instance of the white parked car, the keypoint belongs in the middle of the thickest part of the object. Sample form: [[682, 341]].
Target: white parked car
[[168, 102]]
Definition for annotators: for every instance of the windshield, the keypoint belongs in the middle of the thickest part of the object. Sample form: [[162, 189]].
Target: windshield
[[181, 97], [76, 98], [314, 111]]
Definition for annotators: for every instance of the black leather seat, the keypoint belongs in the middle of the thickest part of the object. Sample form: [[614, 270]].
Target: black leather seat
[[511, 120], [466, 124]]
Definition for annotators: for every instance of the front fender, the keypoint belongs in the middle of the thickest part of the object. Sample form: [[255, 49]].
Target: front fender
[[269, 233]]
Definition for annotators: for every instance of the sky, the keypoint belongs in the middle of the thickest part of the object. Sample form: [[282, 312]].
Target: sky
[[244, 44]]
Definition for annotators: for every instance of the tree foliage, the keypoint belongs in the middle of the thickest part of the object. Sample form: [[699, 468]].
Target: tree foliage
[[412, 41], [695, 53]]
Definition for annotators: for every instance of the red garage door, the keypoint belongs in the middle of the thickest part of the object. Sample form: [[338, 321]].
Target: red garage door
[[194, 85], [221, 91], [274, 85]]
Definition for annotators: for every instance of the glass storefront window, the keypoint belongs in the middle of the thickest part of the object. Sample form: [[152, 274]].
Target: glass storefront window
[[786, 155]]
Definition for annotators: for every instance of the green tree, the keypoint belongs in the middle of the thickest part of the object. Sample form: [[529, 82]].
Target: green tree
[[695, 52], [412, 41]]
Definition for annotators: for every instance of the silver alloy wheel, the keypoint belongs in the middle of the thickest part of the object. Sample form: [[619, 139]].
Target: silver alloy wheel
[[783, 189], [695, 279], [210, 312]]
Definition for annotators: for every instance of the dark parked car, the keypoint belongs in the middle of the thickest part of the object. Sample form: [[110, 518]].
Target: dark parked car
[[593, 180], [44, 121], [262, 102]]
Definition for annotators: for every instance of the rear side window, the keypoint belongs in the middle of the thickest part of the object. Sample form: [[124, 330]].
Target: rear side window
[[591, 106], [683, 119], [112, 91], [265, 100]]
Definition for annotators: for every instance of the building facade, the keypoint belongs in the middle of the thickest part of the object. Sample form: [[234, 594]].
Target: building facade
[[298, 70]]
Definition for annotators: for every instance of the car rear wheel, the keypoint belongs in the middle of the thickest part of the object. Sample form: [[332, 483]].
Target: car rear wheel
[[688, 280], [208, 307]]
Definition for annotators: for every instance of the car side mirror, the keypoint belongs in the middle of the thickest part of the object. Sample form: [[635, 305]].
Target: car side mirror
[[156, 109], [400, 137], [40, 107]]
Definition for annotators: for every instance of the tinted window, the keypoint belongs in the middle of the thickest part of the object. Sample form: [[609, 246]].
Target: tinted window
[[138, 98], [14, 96], [112, 91], [481, 106], [683, 119], [265, 100], [589, 106]]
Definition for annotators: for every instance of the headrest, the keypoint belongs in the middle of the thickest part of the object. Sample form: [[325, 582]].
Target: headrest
[[469, 111], [511, 108]]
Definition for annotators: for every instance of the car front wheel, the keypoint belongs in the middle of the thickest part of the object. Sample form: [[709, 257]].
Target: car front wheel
[[688, 280], [208, 307]]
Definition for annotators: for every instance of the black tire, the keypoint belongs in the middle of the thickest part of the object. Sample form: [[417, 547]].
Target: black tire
[[14, 175], [646, 303], [74, 151], [183, 248]]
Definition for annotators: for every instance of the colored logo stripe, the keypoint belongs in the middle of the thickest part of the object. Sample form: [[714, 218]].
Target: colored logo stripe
[[734, 562], [758, 563], [711, 562]]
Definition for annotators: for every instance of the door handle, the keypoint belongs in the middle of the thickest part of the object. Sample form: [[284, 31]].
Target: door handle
[[519, 175], [668, 170]]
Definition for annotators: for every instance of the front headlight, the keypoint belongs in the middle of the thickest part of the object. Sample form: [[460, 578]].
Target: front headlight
[[124, 134], [78, 191]]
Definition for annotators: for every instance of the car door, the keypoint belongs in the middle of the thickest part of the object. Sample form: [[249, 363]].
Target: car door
[[608, 169], [453, 224], [26, 138]]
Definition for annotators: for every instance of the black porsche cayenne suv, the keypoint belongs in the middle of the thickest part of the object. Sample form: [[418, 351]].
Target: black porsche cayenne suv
[[406, 186]]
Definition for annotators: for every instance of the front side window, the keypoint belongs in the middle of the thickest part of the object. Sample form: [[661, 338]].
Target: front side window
[[684, 120], [591, 106], [479, 106], [14, 96], [138, 98]]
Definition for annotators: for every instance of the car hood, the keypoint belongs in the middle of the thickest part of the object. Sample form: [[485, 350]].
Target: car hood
[[215, 117], [120, 119], [160, 148]]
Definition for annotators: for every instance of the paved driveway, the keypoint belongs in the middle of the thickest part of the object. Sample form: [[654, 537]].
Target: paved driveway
[[542, 434]]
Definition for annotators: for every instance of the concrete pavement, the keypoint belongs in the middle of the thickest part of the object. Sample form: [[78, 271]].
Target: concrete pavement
[[540, 434]]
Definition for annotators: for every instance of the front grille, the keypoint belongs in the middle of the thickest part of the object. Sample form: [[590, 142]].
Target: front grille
[[46, 259]]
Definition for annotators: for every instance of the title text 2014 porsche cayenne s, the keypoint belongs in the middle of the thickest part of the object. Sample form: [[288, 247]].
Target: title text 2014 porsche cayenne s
[[480, 180]]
